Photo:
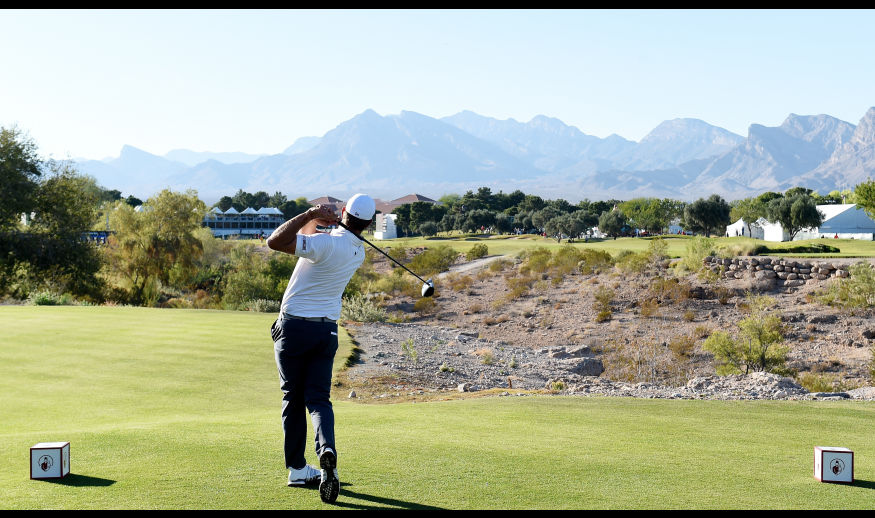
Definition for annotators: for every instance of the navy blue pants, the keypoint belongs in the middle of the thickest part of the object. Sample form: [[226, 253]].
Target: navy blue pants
[[304, 353]]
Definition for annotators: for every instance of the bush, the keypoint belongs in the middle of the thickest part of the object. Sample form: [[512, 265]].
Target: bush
[[477, 251], [822, 382], [856, 291], [434, 260], [263, 305], [632, 262], [698, 248], [757, 346], [594, 261], [359, 308], [47, 298]]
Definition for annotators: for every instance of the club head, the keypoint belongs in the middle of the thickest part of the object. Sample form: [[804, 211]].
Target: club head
[[428, 288]]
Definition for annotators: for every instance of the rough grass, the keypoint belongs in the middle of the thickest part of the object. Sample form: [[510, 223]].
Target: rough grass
[[179, 409]]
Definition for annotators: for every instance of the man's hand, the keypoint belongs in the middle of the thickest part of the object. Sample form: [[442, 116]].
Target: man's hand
[[323, 215]]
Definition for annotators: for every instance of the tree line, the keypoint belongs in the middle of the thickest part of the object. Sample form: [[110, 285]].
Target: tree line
[[159, 247]]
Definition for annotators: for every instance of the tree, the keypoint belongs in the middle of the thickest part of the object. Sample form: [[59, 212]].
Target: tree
[[541, 217], [794, 213], [647, 213], [612, 222], [133, 201], [157, 245], [47, 253], [749, 210], [864, 195], [429, 228], [709, 215], [503, 223], [20, 170], [292, 208], [476, 219], [224, 203], [51, 253]]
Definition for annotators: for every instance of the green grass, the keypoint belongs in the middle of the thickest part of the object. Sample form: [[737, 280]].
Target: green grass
[[677, 245], [179, 409]]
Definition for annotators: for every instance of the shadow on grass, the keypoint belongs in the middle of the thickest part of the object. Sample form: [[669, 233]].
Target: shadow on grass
[[384, 502], [81, 481], [381, 502], [868, 484]]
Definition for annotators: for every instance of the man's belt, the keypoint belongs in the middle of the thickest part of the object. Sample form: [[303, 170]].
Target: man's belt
[[310, 319]]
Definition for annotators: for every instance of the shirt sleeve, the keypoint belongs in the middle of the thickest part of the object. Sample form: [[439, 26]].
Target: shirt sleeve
[[314, 247]]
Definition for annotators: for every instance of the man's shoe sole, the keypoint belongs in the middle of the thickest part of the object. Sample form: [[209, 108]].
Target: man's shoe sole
[[330, 487]]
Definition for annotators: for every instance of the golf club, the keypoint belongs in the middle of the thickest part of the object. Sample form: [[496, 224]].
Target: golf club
[[427, 286]]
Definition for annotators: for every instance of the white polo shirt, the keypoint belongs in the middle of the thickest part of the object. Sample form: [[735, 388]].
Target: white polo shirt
[[325, 266]]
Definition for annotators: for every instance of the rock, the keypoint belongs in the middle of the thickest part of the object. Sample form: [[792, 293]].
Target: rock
[[819, 395], [765, 274], [352, 395], [862, 393], [584, 366], [463, 387], [579, 352], [868, 334], [780, 394], [822, 319]]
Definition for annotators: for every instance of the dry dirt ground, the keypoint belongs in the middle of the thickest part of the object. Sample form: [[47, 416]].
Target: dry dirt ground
[[644, 341]]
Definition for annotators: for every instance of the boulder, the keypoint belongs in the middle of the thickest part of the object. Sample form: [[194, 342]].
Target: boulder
[[583, 366]]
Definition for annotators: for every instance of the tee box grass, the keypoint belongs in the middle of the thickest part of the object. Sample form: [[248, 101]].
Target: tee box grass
[[180, 409]]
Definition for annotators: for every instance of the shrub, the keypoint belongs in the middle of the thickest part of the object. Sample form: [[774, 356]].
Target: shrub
[[425, 305], [359, 308], [757, 346], [594, 261], [649, 308], [537, 260], [689, 316], [633, 262], [856, 291], [698, 248], [499, 265], [565, 260], [477, 251], [408, 348], [263, 305], [557, 386], [47, 298], [434, 260], [682, 346], [822, 382], [486, 356]]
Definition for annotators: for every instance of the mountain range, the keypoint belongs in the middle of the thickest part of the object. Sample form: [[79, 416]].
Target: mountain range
[[390, 156]]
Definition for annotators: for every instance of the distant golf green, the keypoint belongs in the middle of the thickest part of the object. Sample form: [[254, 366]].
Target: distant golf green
[[677, 245], [179, 409]]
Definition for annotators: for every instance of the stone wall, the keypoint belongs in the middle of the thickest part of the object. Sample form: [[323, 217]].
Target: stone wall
[[785, 272]]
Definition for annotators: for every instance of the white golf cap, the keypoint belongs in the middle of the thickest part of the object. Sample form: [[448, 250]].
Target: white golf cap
[[361, 206]]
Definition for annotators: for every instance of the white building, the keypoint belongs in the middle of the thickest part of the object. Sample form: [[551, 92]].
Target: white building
[[385, 226], [249, 223], [842, 221], [741, 228]]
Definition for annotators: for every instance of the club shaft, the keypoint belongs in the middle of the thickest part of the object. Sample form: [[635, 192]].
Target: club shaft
[[384, 253]]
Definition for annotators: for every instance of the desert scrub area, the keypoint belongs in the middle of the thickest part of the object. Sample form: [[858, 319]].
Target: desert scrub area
[[655, 319]]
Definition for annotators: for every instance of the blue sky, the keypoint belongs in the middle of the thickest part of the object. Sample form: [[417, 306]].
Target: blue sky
[[84, 83]]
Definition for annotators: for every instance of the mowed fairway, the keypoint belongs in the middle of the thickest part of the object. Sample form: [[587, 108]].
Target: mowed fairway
[[676, 246], [180, 409]]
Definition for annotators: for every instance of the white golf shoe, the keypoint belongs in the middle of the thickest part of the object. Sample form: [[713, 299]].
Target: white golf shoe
[[306, 475]]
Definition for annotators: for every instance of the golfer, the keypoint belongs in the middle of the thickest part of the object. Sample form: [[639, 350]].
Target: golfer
[[305, 334]]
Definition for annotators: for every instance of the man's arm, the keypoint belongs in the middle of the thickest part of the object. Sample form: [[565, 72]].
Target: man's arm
[[285, 237]]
